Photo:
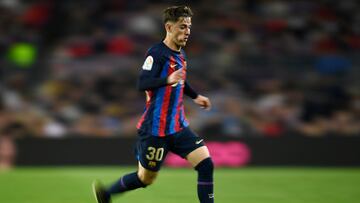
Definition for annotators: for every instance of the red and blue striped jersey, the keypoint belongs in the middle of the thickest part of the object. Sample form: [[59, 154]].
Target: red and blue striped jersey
[[164, 112]]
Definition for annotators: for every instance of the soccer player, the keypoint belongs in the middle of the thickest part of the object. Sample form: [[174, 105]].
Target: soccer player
[[163, 126]]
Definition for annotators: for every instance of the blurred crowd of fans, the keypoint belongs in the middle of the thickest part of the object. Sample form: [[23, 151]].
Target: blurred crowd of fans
[[271, 68]]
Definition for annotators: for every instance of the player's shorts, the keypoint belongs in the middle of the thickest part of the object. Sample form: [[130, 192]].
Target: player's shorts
[[152, 150]]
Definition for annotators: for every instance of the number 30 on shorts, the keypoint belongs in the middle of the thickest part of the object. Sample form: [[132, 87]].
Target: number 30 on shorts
[[155, 153]]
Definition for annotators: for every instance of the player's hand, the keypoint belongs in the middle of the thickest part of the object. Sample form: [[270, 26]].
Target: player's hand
[[175, 77], [203, 102]]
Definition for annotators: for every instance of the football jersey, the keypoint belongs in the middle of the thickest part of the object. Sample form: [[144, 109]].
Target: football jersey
[[164, 112]]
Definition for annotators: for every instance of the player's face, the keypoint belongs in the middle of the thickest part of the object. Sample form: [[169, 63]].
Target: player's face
[[181, 31]]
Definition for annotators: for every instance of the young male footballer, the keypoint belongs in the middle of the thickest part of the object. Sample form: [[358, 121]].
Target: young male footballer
[[163, 126]]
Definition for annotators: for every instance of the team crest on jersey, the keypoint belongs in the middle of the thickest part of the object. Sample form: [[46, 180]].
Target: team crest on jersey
[[148, 63]]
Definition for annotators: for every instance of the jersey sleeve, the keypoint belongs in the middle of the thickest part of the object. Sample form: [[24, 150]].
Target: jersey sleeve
[[189, 91], [149, 78]]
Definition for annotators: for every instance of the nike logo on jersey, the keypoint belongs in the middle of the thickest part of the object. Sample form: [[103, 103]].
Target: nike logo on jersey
[[198, 142], [172, 66]]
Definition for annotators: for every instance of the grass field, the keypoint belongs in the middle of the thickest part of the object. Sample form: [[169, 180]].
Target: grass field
[[246, 185]]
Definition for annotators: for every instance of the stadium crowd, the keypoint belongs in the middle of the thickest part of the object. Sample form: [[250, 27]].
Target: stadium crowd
[[271, 68]]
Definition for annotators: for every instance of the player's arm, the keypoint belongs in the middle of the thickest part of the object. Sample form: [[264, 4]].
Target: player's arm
[[147, 82], [189, 91], [149, 78], [202, 101]]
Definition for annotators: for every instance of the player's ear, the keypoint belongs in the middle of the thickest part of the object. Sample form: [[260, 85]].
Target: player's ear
[[168, 27]]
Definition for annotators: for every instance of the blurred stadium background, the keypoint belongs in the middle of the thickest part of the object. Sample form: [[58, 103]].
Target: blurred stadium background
[[283, 77]]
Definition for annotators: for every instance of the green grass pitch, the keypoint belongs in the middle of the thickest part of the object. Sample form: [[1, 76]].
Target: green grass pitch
[[245, 185]]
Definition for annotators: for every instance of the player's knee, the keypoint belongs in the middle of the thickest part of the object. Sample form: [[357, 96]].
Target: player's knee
[[147, 178], [205, 169]]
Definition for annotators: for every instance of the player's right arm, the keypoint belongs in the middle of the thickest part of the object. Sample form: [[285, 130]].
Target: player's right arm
[[175, 77], [150, 74]]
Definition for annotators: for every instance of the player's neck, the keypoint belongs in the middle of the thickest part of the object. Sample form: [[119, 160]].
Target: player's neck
[[169, 43]]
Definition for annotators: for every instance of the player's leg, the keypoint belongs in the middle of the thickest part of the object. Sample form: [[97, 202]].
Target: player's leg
[[127, 182], [142, 178], [191, 147], [200, 159], [198, 155], [146, 176], [100, 193], [151, 152]]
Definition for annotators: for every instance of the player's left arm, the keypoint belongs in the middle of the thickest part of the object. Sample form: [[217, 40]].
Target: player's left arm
[[201, 100]]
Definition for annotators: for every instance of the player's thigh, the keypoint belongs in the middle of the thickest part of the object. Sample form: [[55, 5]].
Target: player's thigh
[[151, 152], [196, 156], [190, 146], [145, 175]]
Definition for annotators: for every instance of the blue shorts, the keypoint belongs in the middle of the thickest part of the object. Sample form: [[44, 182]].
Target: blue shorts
[[151, 150]]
